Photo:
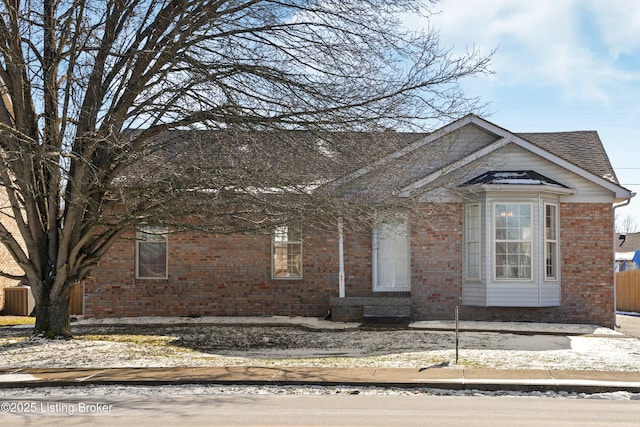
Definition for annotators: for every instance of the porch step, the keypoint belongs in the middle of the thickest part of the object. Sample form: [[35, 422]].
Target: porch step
[[395, 315], [371, 309], [393, 311]]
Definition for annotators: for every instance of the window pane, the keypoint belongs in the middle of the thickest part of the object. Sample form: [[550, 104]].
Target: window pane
[[514, 234], [473, 223], [513, 240], [550, 222], [551, 238], [393, 255], [551, 260], [287, 252], [152, 253], [152, 259], [280, 234], [473, 241]]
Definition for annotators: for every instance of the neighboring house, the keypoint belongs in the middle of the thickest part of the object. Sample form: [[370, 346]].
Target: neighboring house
[[7, 263], [627, 251], [507, 226]]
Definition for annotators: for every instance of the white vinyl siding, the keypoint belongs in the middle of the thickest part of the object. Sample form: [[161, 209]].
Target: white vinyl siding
[[513, 157], [474, 294], [517, 158], [391, 255]]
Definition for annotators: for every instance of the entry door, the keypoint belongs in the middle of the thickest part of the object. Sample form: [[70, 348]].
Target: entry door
[[391, 256]]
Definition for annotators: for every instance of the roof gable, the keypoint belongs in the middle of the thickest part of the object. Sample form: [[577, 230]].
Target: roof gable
[[579, 152]]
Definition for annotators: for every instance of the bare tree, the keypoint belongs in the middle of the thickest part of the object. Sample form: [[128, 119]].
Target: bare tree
[[91, 92], [626, 224]]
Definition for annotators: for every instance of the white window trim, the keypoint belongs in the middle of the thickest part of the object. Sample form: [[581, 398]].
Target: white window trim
[[532, 241], [478, 224], [555, 277], [287, 242], [140, 239]]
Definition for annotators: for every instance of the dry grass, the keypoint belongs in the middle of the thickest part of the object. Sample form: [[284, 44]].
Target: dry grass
[[16, 320]]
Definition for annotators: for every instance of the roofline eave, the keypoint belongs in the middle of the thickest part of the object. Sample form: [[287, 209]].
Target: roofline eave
[[517, 188]]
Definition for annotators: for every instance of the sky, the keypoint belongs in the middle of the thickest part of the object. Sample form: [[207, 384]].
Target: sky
[[559, 65]]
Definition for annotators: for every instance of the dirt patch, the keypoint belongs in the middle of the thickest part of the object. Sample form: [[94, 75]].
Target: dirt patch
[[284, 341]]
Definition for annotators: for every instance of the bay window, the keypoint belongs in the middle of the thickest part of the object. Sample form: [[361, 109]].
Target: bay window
[[511, 250]]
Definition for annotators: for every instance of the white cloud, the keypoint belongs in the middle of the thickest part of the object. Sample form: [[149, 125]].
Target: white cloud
[[619, 25], [570, 45]]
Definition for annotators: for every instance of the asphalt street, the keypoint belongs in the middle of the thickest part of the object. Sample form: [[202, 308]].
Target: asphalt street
[[325, 410]]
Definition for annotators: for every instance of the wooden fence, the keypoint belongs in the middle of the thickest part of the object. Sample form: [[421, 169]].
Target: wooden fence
[[18, 301], [628, 290]]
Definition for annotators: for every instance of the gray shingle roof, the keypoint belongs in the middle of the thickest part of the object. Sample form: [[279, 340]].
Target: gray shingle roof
[[582, 148]]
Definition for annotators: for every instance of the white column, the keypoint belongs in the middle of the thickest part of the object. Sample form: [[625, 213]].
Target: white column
[[341, 285]]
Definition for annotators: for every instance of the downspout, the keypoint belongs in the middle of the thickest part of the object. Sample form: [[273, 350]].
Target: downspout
[[615, 285]]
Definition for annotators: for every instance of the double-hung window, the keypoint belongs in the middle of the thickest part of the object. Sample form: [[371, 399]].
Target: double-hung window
[[513, 241], [551, 241], [151, 253], [472, 241], [286, 252]]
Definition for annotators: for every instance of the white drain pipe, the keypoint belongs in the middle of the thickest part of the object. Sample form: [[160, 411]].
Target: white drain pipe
[[615, 285], [341, 285]]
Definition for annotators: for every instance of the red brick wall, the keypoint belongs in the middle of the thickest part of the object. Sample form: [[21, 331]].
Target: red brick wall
[[587, 233], [230, 275], [214, 275], [436, 261]]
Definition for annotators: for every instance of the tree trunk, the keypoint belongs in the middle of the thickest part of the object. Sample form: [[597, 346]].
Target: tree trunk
[[52, 314]]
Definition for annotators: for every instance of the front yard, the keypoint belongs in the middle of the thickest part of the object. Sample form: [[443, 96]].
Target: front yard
[[139, 345]]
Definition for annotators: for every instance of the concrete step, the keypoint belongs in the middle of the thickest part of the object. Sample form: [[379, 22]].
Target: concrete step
[[387, 311]]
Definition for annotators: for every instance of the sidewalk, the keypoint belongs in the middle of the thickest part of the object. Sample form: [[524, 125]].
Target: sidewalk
[[435, 377]]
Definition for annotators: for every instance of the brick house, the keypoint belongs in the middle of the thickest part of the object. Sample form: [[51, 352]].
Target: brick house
[[7, 264], [507, 226]]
